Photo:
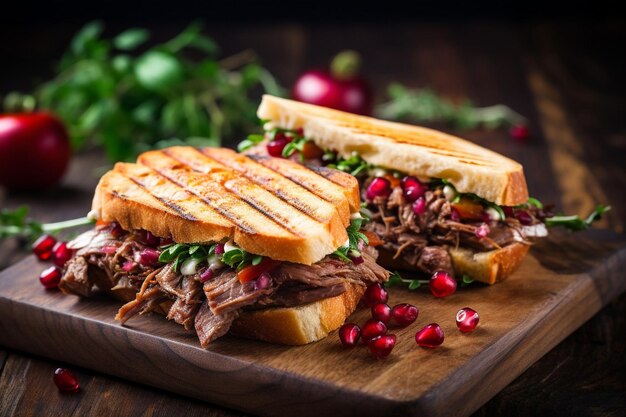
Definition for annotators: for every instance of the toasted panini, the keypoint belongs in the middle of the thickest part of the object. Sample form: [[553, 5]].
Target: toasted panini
[[418, 151], [273, 208]]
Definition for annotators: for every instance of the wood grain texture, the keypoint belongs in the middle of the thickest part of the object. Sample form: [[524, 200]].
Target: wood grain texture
[[521, 319]]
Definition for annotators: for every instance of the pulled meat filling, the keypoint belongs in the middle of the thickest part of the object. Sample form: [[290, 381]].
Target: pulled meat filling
[[110, 264], [422, 240]]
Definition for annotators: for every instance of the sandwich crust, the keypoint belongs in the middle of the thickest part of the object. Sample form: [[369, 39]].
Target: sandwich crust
[[417, 151], [285, 212], [299, 325]]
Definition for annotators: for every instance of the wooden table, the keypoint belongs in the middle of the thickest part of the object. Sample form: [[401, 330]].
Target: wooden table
[[567, 78]]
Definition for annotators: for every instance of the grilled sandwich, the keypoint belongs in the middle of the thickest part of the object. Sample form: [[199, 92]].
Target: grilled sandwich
[[218, 241], [440, 203]]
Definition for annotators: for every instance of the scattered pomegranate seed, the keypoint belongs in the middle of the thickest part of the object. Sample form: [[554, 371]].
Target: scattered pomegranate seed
[[379, 187], [50, 277], [467, 319], [61, 254], [382, 312], [404, 314], [42, 247], [508, 211], [357, 260], [148, 257], [263, 281], [419, 206], [372, 329], [349, 334], [375, 294], [382, 346], [430, 336], [275, 147], [442, 284], [519, 132], [149, 239], [482, 231], [65, 380], [523, 217]]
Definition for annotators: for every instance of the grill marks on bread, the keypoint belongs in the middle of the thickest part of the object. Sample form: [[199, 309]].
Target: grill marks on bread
[[230, 195]]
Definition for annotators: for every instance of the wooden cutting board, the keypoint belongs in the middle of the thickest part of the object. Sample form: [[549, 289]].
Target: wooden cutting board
[[563, 282]]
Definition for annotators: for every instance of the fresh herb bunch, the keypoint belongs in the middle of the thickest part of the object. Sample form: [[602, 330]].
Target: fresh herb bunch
[[426, 106], [16, 223], [130, 97], [396, 280], [354, 237]]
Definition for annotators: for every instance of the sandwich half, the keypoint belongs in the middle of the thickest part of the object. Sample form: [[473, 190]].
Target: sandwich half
[[218, 241], [439, 203]]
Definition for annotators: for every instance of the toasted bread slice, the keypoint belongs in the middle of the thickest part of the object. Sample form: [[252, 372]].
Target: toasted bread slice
[[301, 324], [202, 196], [418, 151], [488, 267]]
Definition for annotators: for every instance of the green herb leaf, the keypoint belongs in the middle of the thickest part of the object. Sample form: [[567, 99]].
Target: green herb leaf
[[257, 260], [534, 202], [575, 223], [158, 71], [249, 142], [396, 280], [130, 39], [233, 257]]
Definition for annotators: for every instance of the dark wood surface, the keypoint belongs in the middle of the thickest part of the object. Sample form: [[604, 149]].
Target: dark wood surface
[[568, 78], [556, 289]]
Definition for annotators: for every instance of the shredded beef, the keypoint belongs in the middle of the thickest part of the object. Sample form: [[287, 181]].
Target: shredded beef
[[422, 240], [108, 263]]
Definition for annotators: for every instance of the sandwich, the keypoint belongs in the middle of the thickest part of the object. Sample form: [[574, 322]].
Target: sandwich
[[437, 202], [221, 242]]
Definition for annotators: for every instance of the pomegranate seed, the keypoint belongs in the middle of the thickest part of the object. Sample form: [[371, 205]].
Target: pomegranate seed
[[42, 247], [519, 132], [372, 329], [219, 249], [206, 275], [300, 132], [508, 211], [442, 284], [523, 217], [128, 266], [404, 314], [379, 187], [116, 230], [454, 215], [275, 147], [485, 217], [349, 334], [61, 254], [482, 231], [164, 241], [375, 294], [109, 249], [382, 312], [430, 336], [412, 188], [382, 346], [419, 206], [467, 319], [50, 277], [148, 257], [263, 281], [357, 260], [65, 380], [149, 239]]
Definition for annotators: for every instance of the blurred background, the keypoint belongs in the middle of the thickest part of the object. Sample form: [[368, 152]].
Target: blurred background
[[542, 82]]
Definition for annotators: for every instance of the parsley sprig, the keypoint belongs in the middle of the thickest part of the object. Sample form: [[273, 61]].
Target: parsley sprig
[[17, 223], [351, 250], [180, 252], [239, 259], [354, 164], [575, 223], [426, 106], [396, 280]]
